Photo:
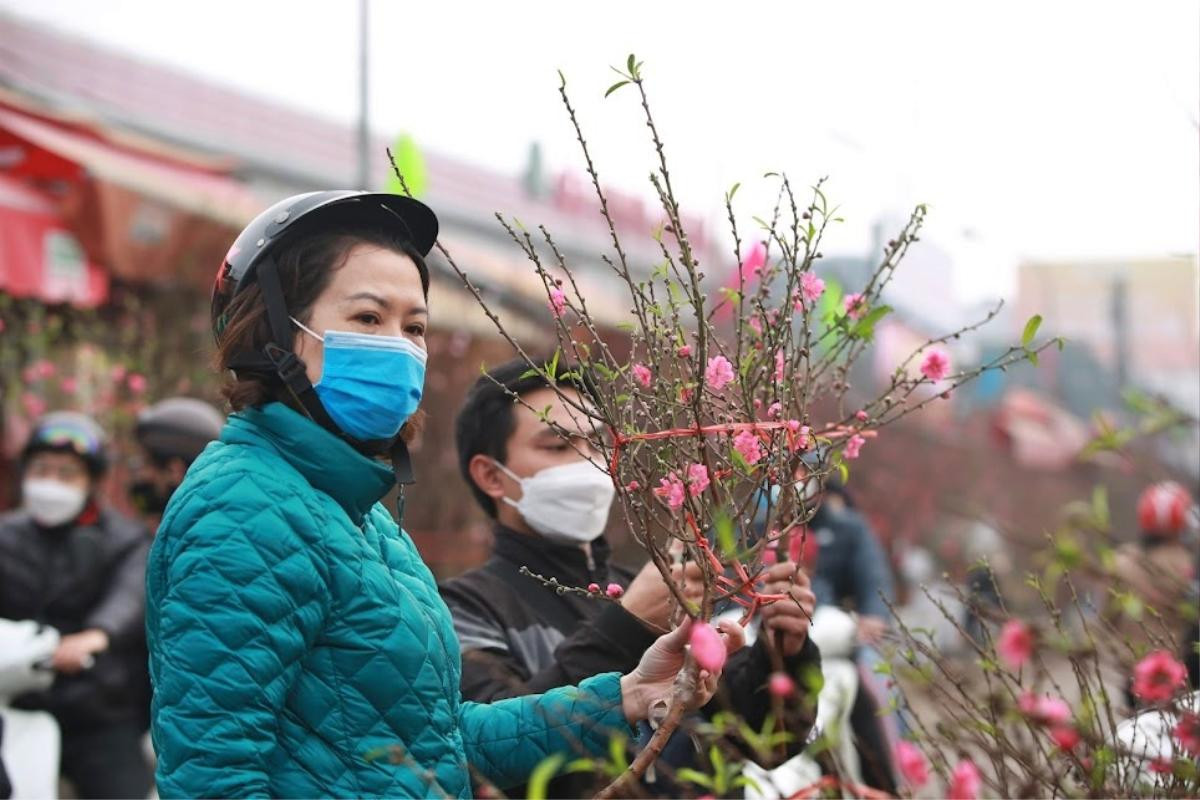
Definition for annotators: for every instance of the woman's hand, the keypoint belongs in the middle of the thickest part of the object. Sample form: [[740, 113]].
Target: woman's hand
[[655, 674]]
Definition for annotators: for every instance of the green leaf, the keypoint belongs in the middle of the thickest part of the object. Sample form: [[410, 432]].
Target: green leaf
[[1031, 329], [694, 776], [1100, 505], [1061, 342], [629, 63], [529, 373], [539, 779], [733, 191], [616, 752], [614, 87], [865, 327], [580, 765], [725, 538], [1033, 357]]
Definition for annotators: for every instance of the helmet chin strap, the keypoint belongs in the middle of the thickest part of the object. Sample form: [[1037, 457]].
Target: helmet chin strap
[[291, 371]]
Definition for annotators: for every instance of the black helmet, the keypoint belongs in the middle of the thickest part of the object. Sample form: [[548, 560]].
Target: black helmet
[[309, 211], [178, 427], [70, 432]]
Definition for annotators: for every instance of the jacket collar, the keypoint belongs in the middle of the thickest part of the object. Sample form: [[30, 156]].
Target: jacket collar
[[566, 562], [329, 464]]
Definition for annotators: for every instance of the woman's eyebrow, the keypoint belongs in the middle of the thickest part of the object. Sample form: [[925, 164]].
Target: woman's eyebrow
[[379, 300]]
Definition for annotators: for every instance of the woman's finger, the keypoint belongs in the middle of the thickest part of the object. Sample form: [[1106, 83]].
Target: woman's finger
[[734, 634]]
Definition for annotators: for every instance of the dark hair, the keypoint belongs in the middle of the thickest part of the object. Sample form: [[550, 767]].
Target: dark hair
[[485, 421], [306, 263]]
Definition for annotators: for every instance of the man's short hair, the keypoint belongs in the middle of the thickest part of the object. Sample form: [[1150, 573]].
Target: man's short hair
[[485, 422]]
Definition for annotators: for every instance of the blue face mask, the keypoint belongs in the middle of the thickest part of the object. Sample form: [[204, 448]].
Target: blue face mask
[[369, 384]]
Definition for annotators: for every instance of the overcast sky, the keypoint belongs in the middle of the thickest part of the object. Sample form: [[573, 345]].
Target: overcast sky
[[1033, 129]]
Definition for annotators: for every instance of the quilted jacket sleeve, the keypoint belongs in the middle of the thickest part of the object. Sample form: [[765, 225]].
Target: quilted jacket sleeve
[[240, 599], [506, 739]]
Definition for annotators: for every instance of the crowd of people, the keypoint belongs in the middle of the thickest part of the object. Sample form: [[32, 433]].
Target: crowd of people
[[270, 624]]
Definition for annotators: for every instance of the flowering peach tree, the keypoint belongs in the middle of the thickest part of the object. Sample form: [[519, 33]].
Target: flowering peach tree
[[1075, 689], [710, 425]]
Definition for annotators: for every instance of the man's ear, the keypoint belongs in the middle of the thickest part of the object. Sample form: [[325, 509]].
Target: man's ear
[[486, 475]]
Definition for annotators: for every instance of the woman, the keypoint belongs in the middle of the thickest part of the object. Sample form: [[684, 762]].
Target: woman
[[294, 632]]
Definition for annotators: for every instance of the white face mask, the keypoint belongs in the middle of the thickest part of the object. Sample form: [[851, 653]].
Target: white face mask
[[567, 504], [51, 503]]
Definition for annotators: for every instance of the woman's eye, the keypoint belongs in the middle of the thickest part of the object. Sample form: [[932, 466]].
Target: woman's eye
[[367, 319], [416, 330]]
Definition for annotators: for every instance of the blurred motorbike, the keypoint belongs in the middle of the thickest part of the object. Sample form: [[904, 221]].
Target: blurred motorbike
[[32, 744]]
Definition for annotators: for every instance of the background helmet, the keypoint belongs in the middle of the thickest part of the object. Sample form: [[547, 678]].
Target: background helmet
[[309, 212], [178, 427], [1163, 509], [70, 432]]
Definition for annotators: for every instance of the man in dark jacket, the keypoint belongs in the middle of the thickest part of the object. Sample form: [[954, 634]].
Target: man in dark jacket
[[68, 563], [550, 507]]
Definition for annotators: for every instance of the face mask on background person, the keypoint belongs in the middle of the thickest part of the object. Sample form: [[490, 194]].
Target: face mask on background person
[[370, 385], [148, 498], [567, 504], [50, 502]]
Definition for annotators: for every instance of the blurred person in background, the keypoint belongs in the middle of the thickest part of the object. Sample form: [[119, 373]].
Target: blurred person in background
[[170, 435], [70, 563], [850, 570], [1159, 571], [549, 506]]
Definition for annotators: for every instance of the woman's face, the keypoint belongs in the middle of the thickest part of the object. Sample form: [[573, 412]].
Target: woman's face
[[376, 291]]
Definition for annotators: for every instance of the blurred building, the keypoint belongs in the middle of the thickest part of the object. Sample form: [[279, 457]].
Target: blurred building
[[1138, 318]]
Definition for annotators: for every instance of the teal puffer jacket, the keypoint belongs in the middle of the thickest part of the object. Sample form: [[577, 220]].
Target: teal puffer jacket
[[295, 635]]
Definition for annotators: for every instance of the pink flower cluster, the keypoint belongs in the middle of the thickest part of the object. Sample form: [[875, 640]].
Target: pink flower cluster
[[718, 373], [856, 305], [965, 781], [1158, 676], [697, 479], [811, 288], [912, 764], [672, 490], [853, 446], [749, 446], [707, 647]]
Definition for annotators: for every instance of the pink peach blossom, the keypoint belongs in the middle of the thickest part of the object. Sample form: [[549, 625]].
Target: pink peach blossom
[[965, 781], [1187, 731], [779, 366], [136, 383], [811, 287], [33, 404], [671, 488], [707, 647], [594, 588], [936, 365], [774, 410], [1065, 737], [853, 446], [1158, 676], [1045, 708], [118, 373], [780, 684], [718, 373], [684, 351], [856, 305], [614, 590], [1015, 644], [755, 322], [69, 385], [913, 766], [643, 375], [861, 415], [633, 486], [749, 445], [697, 479], [558, 301]]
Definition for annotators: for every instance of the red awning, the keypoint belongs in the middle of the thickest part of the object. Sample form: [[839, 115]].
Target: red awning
[[144, 210], [39, 256]]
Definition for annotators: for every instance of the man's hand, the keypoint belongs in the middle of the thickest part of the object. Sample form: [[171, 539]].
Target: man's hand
[[655, 674], [871, 629], [76, 651], [649, 599], [788, 617]]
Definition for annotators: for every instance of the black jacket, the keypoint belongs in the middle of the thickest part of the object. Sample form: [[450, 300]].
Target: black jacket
[[519, 637], [851, 563], [88, 574]]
